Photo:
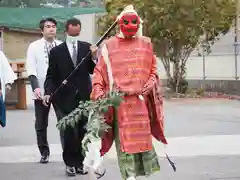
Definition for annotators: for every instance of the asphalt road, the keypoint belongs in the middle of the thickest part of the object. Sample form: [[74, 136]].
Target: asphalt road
[[203, 142]]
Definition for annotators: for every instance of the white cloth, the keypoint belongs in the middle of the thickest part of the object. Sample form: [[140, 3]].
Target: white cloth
[[7, 76], [93, 157], [37, 60], [131, 178]]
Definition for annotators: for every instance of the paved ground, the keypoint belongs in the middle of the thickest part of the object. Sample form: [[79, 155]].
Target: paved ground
[[203, 141]]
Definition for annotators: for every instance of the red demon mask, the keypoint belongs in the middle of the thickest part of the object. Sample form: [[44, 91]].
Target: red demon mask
[[129, 24]]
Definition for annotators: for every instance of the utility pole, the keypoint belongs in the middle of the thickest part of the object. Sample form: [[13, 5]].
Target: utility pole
[[69, 3], [237, 37]]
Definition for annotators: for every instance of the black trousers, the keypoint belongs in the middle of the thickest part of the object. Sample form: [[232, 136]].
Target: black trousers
[[41, 124], [72, 138]]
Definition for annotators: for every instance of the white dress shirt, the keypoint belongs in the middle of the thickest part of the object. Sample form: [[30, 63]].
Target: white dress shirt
[[37, 59], [70, 49]]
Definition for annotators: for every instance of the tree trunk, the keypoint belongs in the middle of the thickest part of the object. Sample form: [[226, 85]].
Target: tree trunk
[[176, 75], [176, 81]]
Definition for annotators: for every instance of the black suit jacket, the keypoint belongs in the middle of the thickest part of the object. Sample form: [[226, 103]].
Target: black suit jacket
[[60, 66]]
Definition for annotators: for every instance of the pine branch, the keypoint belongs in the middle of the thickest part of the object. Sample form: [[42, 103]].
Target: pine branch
[[95, 111]]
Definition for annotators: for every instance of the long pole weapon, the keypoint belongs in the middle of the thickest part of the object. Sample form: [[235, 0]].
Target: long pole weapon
[[83, 59]]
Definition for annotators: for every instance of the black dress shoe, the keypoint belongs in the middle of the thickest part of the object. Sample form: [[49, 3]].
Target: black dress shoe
[[70, 171], [80, 170], [44, 159]]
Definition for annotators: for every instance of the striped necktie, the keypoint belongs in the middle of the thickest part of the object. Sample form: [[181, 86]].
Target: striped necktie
[[49, 47], [74, 55]]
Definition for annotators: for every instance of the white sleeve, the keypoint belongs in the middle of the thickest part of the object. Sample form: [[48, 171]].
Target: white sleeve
[[59, 42], [8, 75], [31, 63]]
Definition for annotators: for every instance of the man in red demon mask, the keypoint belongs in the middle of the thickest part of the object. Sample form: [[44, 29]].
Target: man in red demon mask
[[128, 64]]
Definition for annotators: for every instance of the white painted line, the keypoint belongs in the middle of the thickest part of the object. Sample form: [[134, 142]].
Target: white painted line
[[178, 147], [213, 145], [203, 145]]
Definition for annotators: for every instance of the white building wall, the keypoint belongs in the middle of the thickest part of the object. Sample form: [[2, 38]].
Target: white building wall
[[88, 27], [216, 68]]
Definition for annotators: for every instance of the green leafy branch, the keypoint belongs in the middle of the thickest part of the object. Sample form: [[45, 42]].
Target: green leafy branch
[[95, 111]]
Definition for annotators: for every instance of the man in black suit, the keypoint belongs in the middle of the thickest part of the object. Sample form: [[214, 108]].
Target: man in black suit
[[62, 61]]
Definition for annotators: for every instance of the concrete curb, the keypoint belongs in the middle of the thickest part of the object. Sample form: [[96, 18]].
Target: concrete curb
[[206, 96]]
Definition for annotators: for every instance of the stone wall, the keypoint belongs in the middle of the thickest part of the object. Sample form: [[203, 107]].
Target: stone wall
[[222, 86], [15, 44]]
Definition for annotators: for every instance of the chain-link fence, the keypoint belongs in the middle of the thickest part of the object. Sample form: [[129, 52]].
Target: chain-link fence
[[223, 63]]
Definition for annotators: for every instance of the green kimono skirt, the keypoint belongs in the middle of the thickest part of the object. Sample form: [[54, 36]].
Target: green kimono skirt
[[139, 164]]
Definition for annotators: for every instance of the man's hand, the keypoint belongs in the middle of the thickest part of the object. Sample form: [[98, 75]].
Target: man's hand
[[0, 92], [128, 92], [46, 100], [147, 89], [37, 93], [94, 51]]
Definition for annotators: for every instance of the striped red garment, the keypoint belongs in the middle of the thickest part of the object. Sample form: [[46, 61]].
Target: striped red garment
[[133, 66]]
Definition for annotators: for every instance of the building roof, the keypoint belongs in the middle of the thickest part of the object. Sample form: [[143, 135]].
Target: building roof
[[28, 18]]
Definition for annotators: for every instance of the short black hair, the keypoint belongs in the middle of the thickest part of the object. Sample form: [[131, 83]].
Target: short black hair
[[43, 21], [72, 21]]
